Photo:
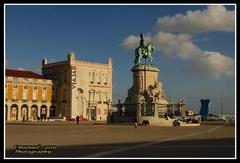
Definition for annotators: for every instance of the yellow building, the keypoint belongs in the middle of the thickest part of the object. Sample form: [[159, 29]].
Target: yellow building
[[28, 96]]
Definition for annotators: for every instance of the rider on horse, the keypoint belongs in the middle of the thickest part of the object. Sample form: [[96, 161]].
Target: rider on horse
[[143, 51]]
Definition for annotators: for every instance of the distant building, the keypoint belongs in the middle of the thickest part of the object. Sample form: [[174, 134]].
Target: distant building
[[27, 96], [82, 88]]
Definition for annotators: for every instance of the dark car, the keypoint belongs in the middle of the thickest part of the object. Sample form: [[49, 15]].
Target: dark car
[[176, 123], [145, 123]]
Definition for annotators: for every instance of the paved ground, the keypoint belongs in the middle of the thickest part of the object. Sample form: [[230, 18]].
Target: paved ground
[[119, 141]]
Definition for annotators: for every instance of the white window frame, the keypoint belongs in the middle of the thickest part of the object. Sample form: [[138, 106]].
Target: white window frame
[[35, 94], [105, 79], [25, 95], [15, 94], [15, 85], [98, 79], [91, 75], [44, 95], [91, 96]]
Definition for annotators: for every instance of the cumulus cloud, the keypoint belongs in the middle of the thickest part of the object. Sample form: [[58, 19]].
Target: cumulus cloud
[[20, 68], [213, 18], [131, 42], [180, 46], [176, 46], [213, 64]]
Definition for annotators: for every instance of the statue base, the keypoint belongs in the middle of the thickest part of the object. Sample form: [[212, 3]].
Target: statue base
[[146, 97]]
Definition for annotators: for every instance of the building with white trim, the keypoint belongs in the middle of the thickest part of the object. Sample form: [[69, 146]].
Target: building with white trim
[[82, 88]]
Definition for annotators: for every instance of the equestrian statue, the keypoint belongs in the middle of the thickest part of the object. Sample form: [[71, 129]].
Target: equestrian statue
[[144, 50]]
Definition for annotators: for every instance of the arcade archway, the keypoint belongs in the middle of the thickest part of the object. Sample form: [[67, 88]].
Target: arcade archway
[[34, 112], [14, 112]]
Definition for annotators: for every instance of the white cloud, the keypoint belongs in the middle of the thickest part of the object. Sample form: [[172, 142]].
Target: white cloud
[[214, 18], [20, 68], [213, 64], [176, 46], [181, 46], [132, 42]]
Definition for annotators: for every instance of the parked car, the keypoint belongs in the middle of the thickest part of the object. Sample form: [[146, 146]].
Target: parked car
[[145, 123], [176, 123]]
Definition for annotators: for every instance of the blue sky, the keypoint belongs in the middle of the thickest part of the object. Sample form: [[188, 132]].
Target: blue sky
[[95, 33]]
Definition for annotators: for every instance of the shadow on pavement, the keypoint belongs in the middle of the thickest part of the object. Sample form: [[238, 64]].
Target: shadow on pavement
[[204, 148]]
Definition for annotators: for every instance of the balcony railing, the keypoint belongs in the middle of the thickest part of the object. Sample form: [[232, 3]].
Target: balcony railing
[[34, 101], [24, 100], [44, 101], [14, 100]]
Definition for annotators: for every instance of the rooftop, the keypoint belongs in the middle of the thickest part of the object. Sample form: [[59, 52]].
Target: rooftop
[[23, 74]]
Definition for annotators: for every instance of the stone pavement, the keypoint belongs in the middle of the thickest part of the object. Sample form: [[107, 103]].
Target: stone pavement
[[94, 140]]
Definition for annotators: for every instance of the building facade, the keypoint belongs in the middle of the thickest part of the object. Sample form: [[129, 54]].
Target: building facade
[[28, 96], [82, 88]]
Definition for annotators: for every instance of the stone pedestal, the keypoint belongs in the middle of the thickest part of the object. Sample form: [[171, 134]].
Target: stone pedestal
[[146, 97], [143, 77]]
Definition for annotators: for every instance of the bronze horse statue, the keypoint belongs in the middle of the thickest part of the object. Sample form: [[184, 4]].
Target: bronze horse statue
[[144, 52]]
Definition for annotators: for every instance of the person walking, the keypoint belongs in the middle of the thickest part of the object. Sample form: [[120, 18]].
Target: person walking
[[77, 119], [135, 122]]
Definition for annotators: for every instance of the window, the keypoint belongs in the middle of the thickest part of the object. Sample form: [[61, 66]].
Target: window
[[15, 86], [43, 110], [98, 79], [6, 85], [25, 87], [14, 95], [98, 97], [34, 95], [24, 95], [24, 80], [44, 95], [105, 80], [91, 96], [91, 77], [44, 88], [15, 80], [35, 87], [105, 97]]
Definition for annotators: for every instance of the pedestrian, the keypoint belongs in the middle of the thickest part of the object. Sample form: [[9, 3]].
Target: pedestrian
[[77, 119], [135, 122]]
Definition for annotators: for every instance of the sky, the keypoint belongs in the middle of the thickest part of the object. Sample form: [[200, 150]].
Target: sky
[[195, 45]]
